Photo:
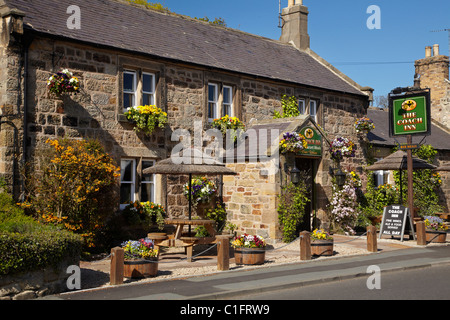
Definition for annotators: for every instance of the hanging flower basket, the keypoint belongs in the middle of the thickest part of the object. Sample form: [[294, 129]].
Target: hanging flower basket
[[63, 82], [364, 125], [146, 118], [293, 142], [342, 147], [203, 190]]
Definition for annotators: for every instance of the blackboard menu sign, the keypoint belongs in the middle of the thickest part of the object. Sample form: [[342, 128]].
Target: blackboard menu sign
[[395, 218]]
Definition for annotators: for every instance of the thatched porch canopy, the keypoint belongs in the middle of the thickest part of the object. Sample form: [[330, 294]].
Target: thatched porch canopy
[[399, 161]]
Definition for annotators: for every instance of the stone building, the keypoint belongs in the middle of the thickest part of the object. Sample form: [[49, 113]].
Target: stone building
[[433, 72], [193, 70]]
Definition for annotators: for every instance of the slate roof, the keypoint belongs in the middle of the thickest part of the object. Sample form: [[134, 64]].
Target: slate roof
[[119, 25], [439, 139]]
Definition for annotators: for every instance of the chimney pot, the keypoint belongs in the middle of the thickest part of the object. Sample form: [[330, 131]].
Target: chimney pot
[[291, 3], [428, 52], [436, 50]]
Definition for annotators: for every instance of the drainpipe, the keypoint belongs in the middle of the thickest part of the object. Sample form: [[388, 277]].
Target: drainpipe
[[27, 40]]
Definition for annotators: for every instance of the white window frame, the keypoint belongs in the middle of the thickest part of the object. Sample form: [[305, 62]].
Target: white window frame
[[151, 93], [131, 92], [227, 105], [132, 182], [214, 103], [313, 106], [379, 176], [302, 106], [152, 182]]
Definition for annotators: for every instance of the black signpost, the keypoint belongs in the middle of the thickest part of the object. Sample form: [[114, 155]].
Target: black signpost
[[409, 114], [395, 219]]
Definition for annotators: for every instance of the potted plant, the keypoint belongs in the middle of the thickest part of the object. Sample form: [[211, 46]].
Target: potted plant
[[140, 259], [203, 192], [293, 142], [63, 82], [249, 249], [436, 229], [342, 147], [233, 124], [364, 125], [230, 228], [218, 214], [146, 118], [321, 243], [145, 214]]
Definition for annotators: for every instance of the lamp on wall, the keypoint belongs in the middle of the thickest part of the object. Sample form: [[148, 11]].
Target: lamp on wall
[[295, 175], [340, 177]]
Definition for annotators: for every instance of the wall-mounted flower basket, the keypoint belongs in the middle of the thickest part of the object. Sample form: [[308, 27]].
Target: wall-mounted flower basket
[[146, 118], [293, 142], [342, 147], [235, 126], [63, 82]]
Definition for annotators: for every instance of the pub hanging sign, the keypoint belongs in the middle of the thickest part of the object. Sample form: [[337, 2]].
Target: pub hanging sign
[[409, 114]]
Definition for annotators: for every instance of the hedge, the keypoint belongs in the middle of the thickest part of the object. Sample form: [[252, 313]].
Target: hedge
[[26, 245]]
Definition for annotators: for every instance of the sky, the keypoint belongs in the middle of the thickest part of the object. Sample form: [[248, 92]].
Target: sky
[[379, 58]]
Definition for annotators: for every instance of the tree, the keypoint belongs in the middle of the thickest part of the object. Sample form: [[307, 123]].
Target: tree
[[381, 102]]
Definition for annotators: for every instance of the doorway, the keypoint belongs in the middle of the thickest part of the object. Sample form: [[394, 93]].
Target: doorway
[[307, 167]]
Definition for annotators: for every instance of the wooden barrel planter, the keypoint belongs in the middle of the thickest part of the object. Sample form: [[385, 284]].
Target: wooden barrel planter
[[249, 256], [138, 269], [322, 248], [434, 236]]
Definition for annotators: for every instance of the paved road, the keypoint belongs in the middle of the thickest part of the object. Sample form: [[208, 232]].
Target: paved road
[[232, 284], [430, 283]]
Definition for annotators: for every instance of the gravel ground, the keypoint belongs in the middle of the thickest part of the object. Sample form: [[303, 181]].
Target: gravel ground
[[173, 264]]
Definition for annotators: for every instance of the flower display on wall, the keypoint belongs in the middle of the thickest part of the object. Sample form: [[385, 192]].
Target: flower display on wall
[[342, 147], [293, 142], [233, 124], [63, 82], [146, 118]]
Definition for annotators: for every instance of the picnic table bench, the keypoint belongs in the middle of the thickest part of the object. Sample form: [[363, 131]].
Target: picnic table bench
[[181, 239]]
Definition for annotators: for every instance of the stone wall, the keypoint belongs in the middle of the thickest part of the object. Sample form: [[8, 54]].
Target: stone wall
[[36, 284], [181, 90], [434, 74]]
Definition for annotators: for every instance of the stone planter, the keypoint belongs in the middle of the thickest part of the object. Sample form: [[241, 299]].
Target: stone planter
[[434, 236], [138, 269], [322, 248], [249, 256]]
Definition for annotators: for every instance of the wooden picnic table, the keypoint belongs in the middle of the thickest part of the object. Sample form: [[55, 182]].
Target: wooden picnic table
[[178, 239]]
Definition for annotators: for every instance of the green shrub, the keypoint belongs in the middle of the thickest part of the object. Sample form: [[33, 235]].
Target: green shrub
[[291, 208], [26, 245]]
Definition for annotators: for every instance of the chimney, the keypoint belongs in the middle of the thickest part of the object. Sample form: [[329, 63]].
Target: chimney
[[295, 24], [436, 50], [433, 72]]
